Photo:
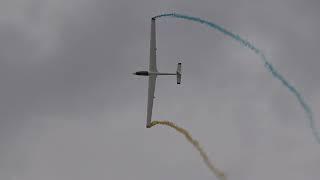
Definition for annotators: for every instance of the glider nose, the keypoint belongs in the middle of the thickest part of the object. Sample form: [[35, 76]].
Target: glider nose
[[142, 73]]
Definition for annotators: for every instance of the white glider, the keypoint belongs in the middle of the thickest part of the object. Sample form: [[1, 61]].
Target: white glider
[[153, 72]]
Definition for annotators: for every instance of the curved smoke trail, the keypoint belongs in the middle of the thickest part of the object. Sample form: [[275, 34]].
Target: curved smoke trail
[[267, 64], [220, 175]]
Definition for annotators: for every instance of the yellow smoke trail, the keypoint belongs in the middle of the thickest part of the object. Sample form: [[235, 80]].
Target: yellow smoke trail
[[219, 174]]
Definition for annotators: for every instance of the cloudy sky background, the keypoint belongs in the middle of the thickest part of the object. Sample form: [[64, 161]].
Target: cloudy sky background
[[71, 109]]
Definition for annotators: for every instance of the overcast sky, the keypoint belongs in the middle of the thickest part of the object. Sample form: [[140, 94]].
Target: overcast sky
[[70, 108]]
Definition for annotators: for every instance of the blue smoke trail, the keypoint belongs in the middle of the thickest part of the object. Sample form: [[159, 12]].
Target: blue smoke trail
[[267, 64]]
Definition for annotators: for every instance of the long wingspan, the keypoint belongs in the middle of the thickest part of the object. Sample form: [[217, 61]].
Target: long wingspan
[[152, 68], [151, 88]]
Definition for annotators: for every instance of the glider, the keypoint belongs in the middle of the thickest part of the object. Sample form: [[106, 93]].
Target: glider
[[153, 72]]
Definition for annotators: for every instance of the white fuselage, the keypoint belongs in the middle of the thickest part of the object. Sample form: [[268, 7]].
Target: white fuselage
[[159, 73]]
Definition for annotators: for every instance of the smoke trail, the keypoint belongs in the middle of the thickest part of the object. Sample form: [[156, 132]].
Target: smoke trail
[[267, 64], [220, 175]]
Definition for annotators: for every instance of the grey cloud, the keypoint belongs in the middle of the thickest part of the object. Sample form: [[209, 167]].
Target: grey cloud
[[70, 108]]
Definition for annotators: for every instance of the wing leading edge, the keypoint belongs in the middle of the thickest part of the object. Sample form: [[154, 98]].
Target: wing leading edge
[[152, 68]]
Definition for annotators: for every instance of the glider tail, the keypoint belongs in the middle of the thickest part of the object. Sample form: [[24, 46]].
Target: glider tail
[[179, 73]]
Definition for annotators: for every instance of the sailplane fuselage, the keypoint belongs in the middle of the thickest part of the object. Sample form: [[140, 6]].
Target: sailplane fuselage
[[148, 73]]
